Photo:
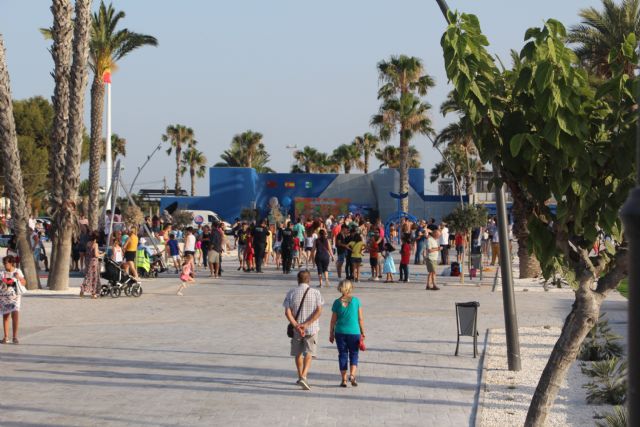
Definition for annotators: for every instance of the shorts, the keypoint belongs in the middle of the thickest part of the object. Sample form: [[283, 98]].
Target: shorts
[[295, 254], [355, 260], [176, 258], [459, 249], [213, 257], [308, 248], [130, 256], [241, 249], [431, 265], [192, 253], [341, 257], [323, 264], [373, 262], [304, 345]]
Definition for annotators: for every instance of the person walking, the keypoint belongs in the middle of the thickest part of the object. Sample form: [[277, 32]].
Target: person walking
[[260, 234], [443, 240], [389, 265], [205, 243], [11, 290], [357, 247], [187, 274], [421, 236], [405, 257], [347, 330], [286, 248], [322, 249], [302, 308], [130, 248], [214, 254], [91, 283], [433, 247], [342, 246], [190, 243]]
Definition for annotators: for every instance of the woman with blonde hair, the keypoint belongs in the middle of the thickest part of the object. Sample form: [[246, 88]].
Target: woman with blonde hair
[[347, 330]]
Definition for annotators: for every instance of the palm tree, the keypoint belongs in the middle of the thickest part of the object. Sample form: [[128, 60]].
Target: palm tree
[[601, 31], [118, 147], [347, 156], [64, 217], [389, 156], [13, 172], [177, 136], [196, 162], [246, 151], [307, 158], [367, 145], [402, 110], [108, 45]]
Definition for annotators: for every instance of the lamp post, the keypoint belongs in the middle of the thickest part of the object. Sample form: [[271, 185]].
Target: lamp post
[[453, 171], [106, 78], [293, 149], [508, 297], [145, 164]]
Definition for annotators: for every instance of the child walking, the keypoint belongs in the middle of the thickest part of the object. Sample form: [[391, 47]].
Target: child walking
[[405, 257], [186, 276], [389, 265]]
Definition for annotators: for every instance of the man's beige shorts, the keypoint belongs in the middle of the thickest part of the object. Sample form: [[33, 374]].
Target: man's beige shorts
[[431, 265], [213, 257], [307, 345]]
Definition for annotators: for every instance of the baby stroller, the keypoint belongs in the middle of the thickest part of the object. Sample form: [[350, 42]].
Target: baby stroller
[[118, 280], [157, 265]]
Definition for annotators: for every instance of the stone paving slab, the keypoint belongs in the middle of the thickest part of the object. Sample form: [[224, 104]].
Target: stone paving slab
[[219, 356]]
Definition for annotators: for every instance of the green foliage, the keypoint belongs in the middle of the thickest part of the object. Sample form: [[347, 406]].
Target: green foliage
[[618, 418], [389, 156], [609, 383], [467, 217], [182, 218], [601, 343], [246, 151], [348, 156], [552, 132]]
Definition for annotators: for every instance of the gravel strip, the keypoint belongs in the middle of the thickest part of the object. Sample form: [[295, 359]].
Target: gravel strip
[[507, 394]]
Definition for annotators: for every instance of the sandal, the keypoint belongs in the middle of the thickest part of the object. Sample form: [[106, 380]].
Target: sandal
[[15, 341], [343, 384], [354, 383], [4, 341]]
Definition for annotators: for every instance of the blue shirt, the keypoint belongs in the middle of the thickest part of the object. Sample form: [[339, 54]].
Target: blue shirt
[[174, 250], [347, 317]]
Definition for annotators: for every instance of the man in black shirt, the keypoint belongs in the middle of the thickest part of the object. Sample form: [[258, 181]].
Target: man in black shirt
[[286, 248], [342, 245], [205, 244], [260, 233]]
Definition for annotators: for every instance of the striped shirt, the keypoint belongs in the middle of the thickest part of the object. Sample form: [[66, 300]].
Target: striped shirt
[[311, 304]]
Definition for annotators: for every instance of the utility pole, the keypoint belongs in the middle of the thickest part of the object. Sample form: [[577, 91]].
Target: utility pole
[[508, 297], [164, 185]]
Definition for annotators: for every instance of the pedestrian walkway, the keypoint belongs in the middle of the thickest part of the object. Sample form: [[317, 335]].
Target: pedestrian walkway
[[219, 356]]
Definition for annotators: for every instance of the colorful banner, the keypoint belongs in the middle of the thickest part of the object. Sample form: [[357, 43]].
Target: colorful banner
[[321, 207]]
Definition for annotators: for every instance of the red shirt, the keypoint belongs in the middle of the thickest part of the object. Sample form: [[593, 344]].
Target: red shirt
[[373, 249], [459, 240], [296, 244], [405, 253]]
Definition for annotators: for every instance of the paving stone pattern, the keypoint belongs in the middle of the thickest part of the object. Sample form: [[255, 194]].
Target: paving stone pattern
[[220, 356]]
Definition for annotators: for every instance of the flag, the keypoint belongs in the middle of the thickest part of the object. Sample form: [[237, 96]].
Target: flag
[[289, 184]]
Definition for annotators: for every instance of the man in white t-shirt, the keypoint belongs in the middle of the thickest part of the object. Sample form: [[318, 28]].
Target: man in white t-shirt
[[432, 249], [190, 243], [444, 243]]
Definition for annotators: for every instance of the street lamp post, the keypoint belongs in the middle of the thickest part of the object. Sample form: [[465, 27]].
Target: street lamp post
[[508, 298], [143, 165], [293, 149], [106, 78], [453, 171]]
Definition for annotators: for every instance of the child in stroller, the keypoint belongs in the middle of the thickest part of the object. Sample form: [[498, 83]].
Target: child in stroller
[[118, 280]]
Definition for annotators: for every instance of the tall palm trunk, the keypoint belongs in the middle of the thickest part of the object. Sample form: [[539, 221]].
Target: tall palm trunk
[[95, 151], [366, 160], [192, 172], [65, 217], [61, 53], [529, 264], [178, 154], [13, 174], [404, 169]]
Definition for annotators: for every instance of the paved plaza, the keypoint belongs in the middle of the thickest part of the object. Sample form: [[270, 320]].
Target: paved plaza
[[219, 356]]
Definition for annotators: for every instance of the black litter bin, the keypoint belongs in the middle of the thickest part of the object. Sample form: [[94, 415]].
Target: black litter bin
[[467, 322]]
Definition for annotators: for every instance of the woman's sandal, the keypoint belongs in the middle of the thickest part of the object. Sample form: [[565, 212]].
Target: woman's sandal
[[343, 384], [15, 341], [4, 341], [354, 383]]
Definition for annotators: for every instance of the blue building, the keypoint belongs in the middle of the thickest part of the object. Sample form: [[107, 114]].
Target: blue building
[[233, 189]]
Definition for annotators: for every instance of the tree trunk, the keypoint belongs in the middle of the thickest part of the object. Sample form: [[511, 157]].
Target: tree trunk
[[61, 54], [178, 154], [366, 161], [404, 170], [13, 174], [65, 217], [577, 325], [95, 150], [529, 265], [192, 172]]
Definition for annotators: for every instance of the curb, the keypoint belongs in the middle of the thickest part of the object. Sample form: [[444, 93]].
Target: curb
[[482, 383]]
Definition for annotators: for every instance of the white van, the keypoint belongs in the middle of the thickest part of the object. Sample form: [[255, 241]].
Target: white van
[[202, 218]]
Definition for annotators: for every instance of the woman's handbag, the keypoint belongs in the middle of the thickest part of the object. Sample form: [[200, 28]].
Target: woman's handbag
[[290, 326], [20, 289]]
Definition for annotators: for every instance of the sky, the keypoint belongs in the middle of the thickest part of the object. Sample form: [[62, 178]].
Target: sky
[[300, 72]]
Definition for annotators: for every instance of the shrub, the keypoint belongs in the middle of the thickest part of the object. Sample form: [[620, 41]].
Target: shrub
[[617, 418], [609, 383], [182, 218], [601, 343]]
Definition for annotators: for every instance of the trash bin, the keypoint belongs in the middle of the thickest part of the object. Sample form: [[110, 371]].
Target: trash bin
[[467, 322]]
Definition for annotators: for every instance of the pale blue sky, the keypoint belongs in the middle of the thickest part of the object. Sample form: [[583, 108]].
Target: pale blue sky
[[299, 72]]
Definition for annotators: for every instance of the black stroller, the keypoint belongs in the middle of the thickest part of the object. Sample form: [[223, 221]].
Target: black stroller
[[118, 280], [157, 265]]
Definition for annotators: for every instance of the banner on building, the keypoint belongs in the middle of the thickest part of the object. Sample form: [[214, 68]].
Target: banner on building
[[323, 207]]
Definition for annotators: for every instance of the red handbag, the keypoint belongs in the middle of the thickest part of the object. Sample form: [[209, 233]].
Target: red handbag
[[361, 345]]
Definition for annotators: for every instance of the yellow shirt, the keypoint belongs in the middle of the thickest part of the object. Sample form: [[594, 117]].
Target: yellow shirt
[[356, 249], [131, 245]]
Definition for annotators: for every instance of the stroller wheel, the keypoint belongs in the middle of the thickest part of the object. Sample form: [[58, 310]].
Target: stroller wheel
[[136, 290], [104, 291], [115, 292], [127, 290]]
